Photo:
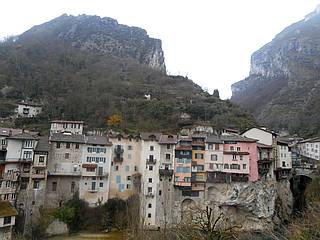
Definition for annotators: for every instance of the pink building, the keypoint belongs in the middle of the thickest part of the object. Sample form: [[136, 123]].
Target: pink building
[[240, 157]]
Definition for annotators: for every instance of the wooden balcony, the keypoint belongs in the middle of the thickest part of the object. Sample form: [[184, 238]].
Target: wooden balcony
[[151, 161]]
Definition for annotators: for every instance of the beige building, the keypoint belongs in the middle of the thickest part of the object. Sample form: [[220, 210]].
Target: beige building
[[95, 170], [125, 165], [64, 167], [60, 126]]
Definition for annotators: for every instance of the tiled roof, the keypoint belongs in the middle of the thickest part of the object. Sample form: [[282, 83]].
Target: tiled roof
[[23, 136], [149, 135], [6, 132], [168, 139], [6, 209], [28, 103], [66, 121], [237, 138], [63, 137], [213, 139], [316, 139], [99, 140], [260, 145], [43, 144]]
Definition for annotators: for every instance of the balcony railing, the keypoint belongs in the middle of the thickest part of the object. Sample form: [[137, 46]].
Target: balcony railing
[[103, 174], [150, 195], [151, 161], [118, 159], [166, 172], [118, 150], [38, 175], [93, 190], [59, 172]]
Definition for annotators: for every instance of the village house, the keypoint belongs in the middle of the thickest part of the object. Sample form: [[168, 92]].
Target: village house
[[125, 165], [28, 109], [149, 165], [64, 167], [95, 170], [60, 126], [310, 148], [166, 184], [7, 220]]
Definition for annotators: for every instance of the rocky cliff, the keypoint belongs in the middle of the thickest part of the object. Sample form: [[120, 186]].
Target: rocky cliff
[[102, 35], [283, 86]]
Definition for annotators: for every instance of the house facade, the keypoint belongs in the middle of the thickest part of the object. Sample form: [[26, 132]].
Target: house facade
[[28, 109], [310, 148], [7, 220]]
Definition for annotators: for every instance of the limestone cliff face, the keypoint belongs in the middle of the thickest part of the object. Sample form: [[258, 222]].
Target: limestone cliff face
[[104, 36], [250, 206], [283, 86]]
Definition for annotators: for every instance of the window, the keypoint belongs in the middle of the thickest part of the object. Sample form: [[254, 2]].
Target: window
[[54, 186], [129, 156], [27, 154], [116, 168], [118, 179], [210, 165], [150, 180], [216, 146], [77, 145], [231, 148], [168, 156], [234, 157], [128, 178], [149, 205], [68, 145], [128, 186], [41, 159], [160, 192], [151, 148], [238, 149], [187, 179], [28, 143], [36, 184], [226, 166], [210, 146], [241, 157], [66, 155], [235, 166], [150, 168], [101, 184], [149, 189], [244, 166], [199, 155], [168, 146], [7, 220], [149, 215], [283, 164], [214, 157], [151, 157], [73, 184], [93, 186], [136, 168], [127, 168], [129, 147]]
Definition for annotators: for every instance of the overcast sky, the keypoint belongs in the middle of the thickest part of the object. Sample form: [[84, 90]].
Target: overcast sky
[[210, 41]]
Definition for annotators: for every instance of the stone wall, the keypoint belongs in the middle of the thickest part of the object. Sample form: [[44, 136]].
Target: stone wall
[[6, 233]]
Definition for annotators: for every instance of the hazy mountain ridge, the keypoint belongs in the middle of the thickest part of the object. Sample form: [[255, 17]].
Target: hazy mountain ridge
[[45, 65], [283, 87]]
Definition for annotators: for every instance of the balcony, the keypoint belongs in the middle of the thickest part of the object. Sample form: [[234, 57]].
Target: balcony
[[103, 174], [3, 148], [166, 172], [93, 190], [265, 160], [151, 161], [60, 172], [118, 150], [149, 195], [118, 159], [38, 175]]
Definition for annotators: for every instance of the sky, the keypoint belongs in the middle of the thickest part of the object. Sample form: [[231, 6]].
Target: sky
[[209, 41]]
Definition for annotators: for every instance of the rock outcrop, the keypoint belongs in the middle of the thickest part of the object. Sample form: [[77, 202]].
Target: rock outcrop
[[283, 87], [104, 36]]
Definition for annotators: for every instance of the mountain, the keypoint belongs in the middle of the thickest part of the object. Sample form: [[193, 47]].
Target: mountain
[[283, 87], [90, 68]]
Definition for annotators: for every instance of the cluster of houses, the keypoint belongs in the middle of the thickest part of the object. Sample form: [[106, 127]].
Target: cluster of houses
[[163, 169]]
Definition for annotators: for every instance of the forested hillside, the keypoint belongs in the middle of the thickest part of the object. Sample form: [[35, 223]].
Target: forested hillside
[[77, 83]]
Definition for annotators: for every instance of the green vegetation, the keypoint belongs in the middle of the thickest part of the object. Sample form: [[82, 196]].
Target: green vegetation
[[85, 85]]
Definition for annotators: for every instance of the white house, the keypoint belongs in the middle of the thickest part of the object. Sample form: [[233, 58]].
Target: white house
[[59, 126], [150, 158], [310, 148], [28, 109], [7, 220]]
